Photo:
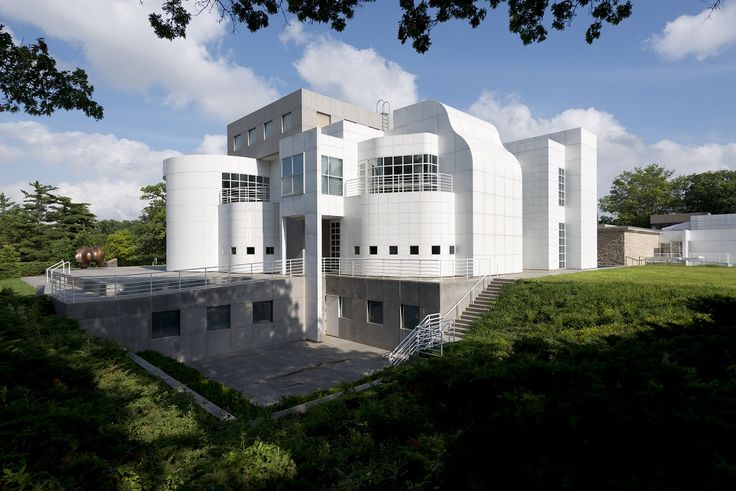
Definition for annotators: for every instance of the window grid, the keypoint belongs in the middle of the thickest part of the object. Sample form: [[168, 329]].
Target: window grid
[[334, 238], [402, 173], [292, 175], [331, 175], [562, 246], [561, 186], [245, 188]]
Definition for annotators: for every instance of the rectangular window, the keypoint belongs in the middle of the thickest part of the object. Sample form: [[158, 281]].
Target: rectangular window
[[561, 186], [251, 136], [414, 250], [165, 324], [452, 249], [218, 317], [237, 142], [267, 129], [393, 250], [331, 176], [286, 123], [323, 119], [233, 250], [356, 250], [410, 316], [563, 247], [436, 249], [292, 175], [263, 311], [269, 251], [375, 312], [345, 306], [250, 250], [373, 250]]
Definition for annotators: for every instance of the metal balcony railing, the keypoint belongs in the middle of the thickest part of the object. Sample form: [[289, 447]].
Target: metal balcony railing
[[75, 288], [402, 183], [410, 268], [255, 193]]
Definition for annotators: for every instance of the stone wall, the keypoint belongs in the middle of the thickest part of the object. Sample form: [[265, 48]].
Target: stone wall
[[641, 244], [616, 244], [128, 320], [611, 247]]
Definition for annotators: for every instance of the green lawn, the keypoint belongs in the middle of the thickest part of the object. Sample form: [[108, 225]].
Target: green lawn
[[17, 285], [616, 379]]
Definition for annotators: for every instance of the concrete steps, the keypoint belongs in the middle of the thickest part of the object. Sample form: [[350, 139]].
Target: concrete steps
[[480, 306]]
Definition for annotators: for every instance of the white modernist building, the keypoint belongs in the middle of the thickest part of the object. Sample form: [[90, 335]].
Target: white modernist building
[[703, 238], [425, 192]]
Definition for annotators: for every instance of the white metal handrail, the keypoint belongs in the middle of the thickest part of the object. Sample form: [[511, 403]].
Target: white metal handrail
[[409, 267], [429, 334], [258, 192], [65, 266], [401, 183], [71, 288]]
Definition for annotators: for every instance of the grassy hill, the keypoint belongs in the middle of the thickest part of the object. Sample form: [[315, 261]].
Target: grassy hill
[[619, 379]]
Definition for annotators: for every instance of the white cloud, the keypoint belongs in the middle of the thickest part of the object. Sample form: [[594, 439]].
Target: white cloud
[[100, 169], [212, 145], [618, 148], [702, 36], [358, 76], [119, 45]]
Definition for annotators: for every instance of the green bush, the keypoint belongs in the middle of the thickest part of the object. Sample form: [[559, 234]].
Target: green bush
[[259, 466], [19, 269]]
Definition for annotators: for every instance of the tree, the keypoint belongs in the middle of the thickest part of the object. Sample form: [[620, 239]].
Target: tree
[[526, 17], [151, 231], [637, 194], [712, 192], [30, 81], [122, 245]]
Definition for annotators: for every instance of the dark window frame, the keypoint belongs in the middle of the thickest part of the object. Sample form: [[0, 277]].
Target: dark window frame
[[258, 306]]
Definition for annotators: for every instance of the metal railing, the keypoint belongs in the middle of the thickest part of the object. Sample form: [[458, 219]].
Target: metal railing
[[251, 194], [65, 266], [410, 268], [401, 183], [454, 312], [431, 333], [74, 288]]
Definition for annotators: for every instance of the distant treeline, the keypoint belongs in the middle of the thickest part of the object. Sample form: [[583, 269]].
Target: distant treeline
[[47, 227]]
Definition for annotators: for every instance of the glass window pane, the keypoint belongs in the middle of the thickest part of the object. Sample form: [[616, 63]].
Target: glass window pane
[[286, 188], [165, 324], [298, 184], [408, 159], [382, 161], [417, 159], [375, 312], [387, 160], [407, 169], [410, 316], [286, 122], [417, 168], [335, 167], [218, 317], [298, 163], [434, 159], [325, 185], [325, 164], [263, 311], [225, 175], [388, 171], [346, 307], [336, 186], [286, 167]]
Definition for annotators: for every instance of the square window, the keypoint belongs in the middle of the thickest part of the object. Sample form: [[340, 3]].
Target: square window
[[375, 312], [393, 250], [345, 306], [414, 250], [373, 250], [436, 249], [356, 250], [286, 123], [218, 317], [263, 311], [250, 250], [269, 251], [237, 142], [452, 249], [165, 324], [233, 250], [410, 317], [267, 129], [251, 136]]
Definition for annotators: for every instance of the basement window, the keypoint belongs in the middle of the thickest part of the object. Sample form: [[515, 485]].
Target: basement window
[[165, 324]]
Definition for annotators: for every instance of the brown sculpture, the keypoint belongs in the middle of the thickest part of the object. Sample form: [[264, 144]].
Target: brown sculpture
[[88, 255]]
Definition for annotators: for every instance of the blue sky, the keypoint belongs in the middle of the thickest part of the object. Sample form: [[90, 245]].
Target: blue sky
[[657, 88]]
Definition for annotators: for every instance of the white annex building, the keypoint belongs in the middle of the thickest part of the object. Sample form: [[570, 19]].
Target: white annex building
[[426, 193], [703, 238]]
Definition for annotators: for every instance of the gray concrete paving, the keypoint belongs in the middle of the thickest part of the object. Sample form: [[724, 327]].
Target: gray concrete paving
[[269, 374]]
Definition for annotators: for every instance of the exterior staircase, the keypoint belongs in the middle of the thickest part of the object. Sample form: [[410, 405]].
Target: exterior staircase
[[480, 306]]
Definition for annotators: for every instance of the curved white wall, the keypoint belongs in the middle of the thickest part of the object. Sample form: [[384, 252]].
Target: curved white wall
[[399, 219], [193, 185], [243, 225]]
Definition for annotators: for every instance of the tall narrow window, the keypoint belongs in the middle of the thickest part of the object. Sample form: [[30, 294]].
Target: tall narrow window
[[561, 186], [251, 136], [356, 250], [267, 129], [563, 247], [346, 307], [375, 312], [331, 175], [237, 142], [286, 123], [292, 175], [410, 316]]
